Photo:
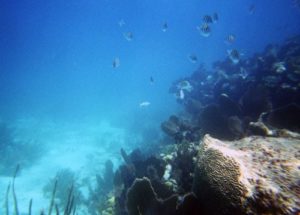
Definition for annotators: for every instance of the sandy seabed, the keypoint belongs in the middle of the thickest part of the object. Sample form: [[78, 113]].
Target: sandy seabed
[[82, 148]]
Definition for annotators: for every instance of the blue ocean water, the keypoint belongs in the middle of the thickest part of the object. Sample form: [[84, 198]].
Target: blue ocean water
[[56, 58]]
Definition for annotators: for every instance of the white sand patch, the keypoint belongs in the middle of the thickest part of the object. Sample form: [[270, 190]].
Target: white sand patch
[[82, 148]]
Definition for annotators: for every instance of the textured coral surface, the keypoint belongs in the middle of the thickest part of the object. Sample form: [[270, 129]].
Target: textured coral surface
[[253, 175]]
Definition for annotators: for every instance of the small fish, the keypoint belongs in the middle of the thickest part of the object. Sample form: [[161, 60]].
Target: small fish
[[165, 27], [215, 17], [251, 9], [144, 104], [207, 19], [151, 80], [181, 94], [279, 67], [116, 63], [128, 36], [234, 55], [243, 73], [185, 85], [193, 58], [230, 39], [121, 22], [204, 30]]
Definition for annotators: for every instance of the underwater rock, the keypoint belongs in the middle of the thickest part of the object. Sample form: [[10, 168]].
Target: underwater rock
[[170, 127], [180, 128], [125, 156], [255, 101], [260, 129], [189, 205], [228, 106], [137, 205], [254, 175], [287, 117], [151, 167], [284, 96], [236, 127], [193, 106], [143, 200], [213, 122], [183, 165]]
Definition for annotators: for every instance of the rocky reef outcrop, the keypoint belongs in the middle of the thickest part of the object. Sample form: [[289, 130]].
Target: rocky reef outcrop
[[224, 100], [254, 175]]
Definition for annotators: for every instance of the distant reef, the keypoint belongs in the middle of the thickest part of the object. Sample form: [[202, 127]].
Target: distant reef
[[236, 145], [256, 96]]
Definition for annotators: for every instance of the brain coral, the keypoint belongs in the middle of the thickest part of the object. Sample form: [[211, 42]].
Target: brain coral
[[254, 175]]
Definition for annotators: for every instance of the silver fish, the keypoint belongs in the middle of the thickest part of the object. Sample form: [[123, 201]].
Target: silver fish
[[165, 27], [207, 19], [128, 36], [144, 104], [204, 30], [230, 39], [234, 55], [116, 63]]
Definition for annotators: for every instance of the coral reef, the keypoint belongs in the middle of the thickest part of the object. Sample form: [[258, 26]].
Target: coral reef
[[254, 175], [252, 108], [100, 197], [65, 181], [228, 98], [142, 199], [67, 209], [235, 148]]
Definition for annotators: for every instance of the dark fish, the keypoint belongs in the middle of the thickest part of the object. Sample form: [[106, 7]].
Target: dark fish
[[204, 30], [151, 80], [165, 27], [230, 39], [193, 58], [251, 9], [116, 63], [234, 55], [215, 17], [128, 36], [207, 19]]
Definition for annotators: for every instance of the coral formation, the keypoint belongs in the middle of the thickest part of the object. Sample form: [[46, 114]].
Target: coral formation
[[228, 98], [254, 175], [142, 199], [66, 183]]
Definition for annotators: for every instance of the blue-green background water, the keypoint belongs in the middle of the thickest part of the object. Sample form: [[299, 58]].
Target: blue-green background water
[[58, 86], [56, 56]]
